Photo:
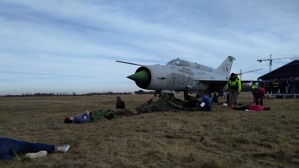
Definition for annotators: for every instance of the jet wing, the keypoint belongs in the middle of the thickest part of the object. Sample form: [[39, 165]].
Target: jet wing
[[212, 81], [224, 81]]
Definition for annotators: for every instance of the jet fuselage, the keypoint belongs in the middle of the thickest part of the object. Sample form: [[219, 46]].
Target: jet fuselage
[[181, 75]]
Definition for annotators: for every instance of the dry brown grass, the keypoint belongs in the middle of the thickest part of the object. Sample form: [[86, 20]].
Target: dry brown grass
[[222, 138]]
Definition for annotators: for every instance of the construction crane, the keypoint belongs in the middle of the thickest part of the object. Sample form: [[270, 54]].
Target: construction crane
[[271, 59]]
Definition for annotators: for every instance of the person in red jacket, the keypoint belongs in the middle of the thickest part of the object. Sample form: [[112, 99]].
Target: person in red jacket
[[252, 107], [258, 95]]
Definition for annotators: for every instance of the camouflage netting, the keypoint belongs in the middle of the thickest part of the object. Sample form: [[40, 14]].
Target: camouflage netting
[[164, 103]]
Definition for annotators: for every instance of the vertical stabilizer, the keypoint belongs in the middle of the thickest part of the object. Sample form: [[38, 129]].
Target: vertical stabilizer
[[226, 66]]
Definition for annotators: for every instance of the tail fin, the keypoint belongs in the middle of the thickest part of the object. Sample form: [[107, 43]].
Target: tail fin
[[226, 66]]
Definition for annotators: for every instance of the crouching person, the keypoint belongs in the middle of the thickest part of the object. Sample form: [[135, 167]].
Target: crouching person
[[205, 104]]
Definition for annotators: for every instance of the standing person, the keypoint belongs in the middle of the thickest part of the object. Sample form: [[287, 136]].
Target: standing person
[[234, 89], [292, 85], [268, 87], [283, 85], [253, 87], [155, 95], [205, 104], [9, 148], [258, 95], [275, 87], [120, 104], [296, 83]]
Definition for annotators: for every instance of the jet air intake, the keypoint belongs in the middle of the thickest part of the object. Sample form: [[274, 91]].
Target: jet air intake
[[142, 77]]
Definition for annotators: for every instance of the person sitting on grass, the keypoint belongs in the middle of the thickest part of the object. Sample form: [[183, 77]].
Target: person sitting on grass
[[192, 102], [10, 148], [205, 104], [120, 104], [215, 98]]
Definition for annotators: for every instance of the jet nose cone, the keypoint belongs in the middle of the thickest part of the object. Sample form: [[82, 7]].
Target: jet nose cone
[[142, 78], [139, 76]]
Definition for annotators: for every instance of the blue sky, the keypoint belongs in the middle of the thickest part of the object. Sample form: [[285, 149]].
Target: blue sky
[[71, 45]]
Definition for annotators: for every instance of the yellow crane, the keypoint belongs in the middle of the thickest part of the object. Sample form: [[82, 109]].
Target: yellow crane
[[271, 59]]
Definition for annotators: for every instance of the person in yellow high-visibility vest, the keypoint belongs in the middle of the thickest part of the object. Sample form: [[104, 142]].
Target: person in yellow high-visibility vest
[[234, 89]]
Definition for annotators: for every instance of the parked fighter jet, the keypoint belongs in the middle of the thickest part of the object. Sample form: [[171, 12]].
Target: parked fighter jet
[[181, 75]]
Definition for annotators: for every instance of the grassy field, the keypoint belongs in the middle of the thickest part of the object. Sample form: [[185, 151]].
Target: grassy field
[[221, 138]]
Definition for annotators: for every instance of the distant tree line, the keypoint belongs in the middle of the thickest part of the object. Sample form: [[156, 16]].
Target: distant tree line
[[74, 94], [245, 88]]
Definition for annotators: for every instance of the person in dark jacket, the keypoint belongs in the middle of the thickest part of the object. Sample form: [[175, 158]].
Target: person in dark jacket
[[275, 86], [215, 98], [120, 104]]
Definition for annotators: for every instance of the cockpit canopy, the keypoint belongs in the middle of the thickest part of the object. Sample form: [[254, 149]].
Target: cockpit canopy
[[178, 62]]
